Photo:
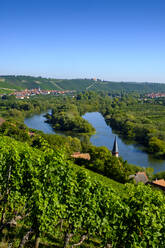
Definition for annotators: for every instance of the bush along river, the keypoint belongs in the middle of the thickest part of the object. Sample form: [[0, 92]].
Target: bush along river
[[104, 136]]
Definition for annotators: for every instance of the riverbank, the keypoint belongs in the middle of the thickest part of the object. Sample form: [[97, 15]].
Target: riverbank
[[104, 136], [142, 122]]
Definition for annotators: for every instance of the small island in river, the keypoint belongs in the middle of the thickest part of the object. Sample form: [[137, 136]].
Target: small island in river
[[67, 118]]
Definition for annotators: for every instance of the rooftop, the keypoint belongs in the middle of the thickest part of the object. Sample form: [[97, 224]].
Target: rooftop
[[160, 182], [81, 155], [140, 177], [115, 147]]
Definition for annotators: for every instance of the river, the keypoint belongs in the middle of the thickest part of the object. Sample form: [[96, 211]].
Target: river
[[104, 136]]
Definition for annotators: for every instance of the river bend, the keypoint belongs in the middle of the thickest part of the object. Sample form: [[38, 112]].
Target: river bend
[[104, 136]]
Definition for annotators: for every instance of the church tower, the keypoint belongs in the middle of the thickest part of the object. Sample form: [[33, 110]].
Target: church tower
[[115, 150]]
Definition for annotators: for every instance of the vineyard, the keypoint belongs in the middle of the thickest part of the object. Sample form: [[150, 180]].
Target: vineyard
[[29, 82], [47, 201]]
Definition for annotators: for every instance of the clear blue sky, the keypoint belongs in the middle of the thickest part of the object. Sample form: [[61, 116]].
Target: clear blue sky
[[121, 40]]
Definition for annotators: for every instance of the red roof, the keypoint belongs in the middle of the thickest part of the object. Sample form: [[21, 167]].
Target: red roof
[[81, 155], [160, 182]]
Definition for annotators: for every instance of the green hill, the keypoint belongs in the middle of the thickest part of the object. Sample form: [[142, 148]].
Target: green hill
[[23, 82]]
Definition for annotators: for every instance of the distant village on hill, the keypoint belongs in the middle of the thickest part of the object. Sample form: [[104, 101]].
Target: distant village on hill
[[155, 95], [33, 92], [37, 91]]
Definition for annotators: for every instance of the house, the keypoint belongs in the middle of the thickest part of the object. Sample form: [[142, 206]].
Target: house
[[140, 177], [160, 183], [81, 155]]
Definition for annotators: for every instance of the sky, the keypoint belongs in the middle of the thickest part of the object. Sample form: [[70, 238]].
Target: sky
[[116, 40]]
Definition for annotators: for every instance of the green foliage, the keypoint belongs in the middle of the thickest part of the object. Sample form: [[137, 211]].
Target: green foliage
[[15, 130], [67, 118], [70, 144], [44, 193], [103, 162], [159, 175], [140, 121], [157, 146], [146, 227], [11, 108], [23, 82]]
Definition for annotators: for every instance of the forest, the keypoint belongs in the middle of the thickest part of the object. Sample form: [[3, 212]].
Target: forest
[[49, 199]]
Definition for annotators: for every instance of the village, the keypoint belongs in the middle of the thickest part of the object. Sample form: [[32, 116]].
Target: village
[[155, 95], [37, 91]]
